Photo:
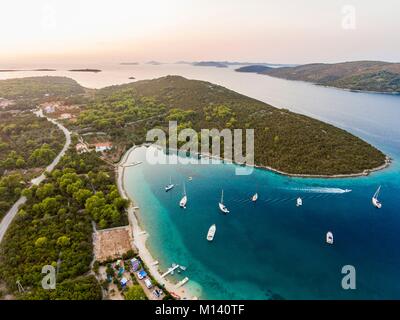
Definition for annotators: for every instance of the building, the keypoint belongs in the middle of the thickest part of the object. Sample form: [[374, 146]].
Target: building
[[104, 146], [65, 116]]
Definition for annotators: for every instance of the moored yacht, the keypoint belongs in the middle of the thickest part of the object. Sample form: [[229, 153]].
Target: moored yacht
[[221, 205], [254, 198], [211, 232], [329, 237], [169, 186], [184, 199], [299, 202]]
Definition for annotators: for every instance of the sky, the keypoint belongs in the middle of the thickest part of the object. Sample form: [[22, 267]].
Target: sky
[[276, 31]]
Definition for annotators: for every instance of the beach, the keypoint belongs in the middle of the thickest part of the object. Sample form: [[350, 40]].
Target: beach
[[140, 236]]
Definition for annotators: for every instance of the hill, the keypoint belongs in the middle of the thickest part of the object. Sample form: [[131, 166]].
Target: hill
[[286, 141], [39, 87], [358, 75], [253, 69]]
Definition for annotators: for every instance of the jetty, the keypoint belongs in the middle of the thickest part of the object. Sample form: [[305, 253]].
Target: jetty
[[182, 282], [172, 269]]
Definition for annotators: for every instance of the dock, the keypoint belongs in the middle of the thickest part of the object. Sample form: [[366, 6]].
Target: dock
[[169, 271], [182, 283]]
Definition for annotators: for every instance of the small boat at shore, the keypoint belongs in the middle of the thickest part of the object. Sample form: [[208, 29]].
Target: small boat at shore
[[221, 205], [329, 237], [299, 202], [184, 200], [254, 198], [211, 232], [377, 204], [169, 186]]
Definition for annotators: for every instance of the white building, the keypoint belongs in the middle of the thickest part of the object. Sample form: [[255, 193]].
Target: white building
[[104, 146]]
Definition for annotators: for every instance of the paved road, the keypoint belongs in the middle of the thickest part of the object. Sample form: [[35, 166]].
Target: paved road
[[9, 217]]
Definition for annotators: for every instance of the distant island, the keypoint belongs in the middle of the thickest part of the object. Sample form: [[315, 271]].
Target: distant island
[[154, 63], [85, 70], [371, 76], [129, 63], [253, 69], [210, 64], [132, 78], [20, 70]]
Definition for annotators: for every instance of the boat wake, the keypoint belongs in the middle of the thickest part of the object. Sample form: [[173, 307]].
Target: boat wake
[[321, 190]]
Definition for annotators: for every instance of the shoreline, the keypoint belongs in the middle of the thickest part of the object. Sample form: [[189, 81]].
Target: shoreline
[[140, 236], [365, 173]]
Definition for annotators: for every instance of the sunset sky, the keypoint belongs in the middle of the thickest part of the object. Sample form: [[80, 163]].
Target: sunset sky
[[281, 31]]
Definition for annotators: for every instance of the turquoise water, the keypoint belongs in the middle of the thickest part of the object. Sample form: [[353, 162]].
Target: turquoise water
[[272, 249]]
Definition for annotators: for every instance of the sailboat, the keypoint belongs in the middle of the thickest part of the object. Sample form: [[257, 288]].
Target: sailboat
[[184, 200], [254, 198], [375, 200], [221, 204], [299, 202], [169, 186], [329, 237], [211, 232]]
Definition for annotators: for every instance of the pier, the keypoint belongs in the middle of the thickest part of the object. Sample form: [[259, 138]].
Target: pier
[[182, 282], [169, 271]]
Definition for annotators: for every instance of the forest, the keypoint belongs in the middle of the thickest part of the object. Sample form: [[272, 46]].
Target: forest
[[54, 228], [27, 145]]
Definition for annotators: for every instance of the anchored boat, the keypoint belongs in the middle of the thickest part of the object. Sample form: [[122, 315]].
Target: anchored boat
[[299, 202], [377, 204], [254, 198], [184, 200], [329, 237], [211, 232], [169, 186], [221, 205]]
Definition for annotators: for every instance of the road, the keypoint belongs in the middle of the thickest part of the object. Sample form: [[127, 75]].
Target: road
[[9, 217]]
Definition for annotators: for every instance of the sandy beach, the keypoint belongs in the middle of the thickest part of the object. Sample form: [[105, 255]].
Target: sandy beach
[[140, 237]]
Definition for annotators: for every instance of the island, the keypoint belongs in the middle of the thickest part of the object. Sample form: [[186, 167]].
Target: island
[[253, 69], [210, 64], [85, 70], [371, 76], [129, 63], [154, 63]]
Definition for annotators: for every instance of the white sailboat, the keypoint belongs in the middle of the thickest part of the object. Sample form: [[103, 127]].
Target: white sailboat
[[211, 232], [299, 202], [221, 205], [329, 237], [169, 186], [254, 198], [377, 204], [184, 199]]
